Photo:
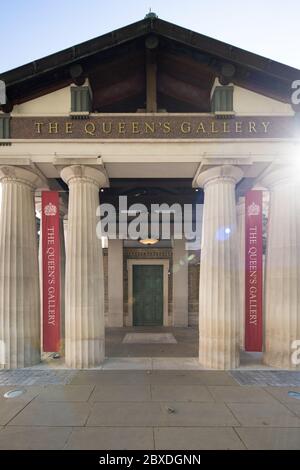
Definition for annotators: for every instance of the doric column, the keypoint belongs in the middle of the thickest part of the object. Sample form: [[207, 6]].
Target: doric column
[[218, 293], [19, 271], [180, 284], [241, 243], [115, 283], [282, 276], [62, 213], [84, 283]]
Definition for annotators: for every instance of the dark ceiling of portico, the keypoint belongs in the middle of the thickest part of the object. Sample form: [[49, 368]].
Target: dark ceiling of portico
[[146, 191], [149, 191], [116, 66]]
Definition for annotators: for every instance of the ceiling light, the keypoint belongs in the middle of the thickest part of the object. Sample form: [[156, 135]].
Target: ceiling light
[[148, 241]]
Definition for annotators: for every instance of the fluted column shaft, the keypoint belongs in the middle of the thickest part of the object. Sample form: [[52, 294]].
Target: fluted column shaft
[[62, 281], [241, 243], [218, 293], [19, 272], [282, 277], [84, 282]]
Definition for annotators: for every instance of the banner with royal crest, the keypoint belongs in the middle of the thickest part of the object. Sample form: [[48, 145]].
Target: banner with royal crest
[[254, 272], [51, 271]]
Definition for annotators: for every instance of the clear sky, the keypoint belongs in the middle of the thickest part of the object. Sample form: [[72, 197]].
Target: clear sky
[[31, 29]]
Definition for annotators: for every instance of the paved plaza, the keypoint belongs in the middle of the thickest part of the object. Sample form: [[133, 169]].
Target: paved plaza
[[148, 409]]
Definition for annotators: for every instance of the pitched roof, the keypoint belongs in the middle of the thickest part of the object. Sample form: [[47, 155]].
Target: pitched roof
[[250, 70]]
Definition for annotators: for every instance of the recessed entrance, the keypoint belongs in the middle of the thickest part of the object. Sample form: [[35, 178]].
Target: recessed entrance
[[147, 306]]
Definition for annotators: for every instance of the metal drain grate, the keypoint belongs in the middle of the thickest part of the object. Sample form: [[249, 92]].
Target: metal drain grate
[[276, 378], [36, 377]]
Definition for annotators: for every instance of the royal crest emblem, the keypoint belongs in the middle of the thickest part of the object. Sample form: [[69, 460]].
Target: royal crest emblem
[[253, 209], [50, 209]]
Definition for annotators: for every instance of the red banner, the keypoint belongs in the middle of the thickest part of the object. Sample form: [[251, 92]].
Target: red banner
[[253, 275], [51, 271]]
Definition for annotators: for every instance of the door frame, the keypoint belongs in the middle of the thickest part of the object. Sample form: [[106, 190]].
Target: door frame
[[166, 265]]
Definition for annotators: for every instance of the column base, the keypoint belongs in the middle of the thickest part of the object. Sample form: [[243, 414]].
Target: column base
[[280, 361], [211, 357], [85, 353], [33, 358]]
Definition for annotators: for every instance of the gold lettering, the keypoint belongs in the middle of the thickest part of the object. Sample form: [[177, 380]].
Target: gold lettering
[[121, 128], [90, 128], [252, 126], [185, 127], [149, 127], [226, 129], [53, 127], [107, 130], [238, 127], [135, 128], [166, 127], [68, 128], [266, 126], [201, 128], [38, 126], [214, 130]]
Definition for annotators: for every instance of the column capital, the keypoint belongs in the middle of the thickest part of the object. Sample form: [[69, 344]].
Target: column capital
[[76, 173], [20, 175], [229, 173], [280, 177]]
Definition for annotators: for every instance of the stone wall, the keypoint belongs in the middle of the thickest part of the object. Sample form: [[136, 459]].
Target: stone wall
[[193, 296]]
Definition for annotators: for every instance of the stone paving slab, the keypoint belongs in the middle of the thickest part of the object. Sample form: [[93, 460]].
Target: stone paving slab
[[270, 438], [127, 363], [198, 393], [66, 393], [267, 414], [176, 363], [111, 438], [187, 343], [238, 394], [149, 338], [294, 407], [146, 414], [205, 438], [33, 438], [52, 414], [161, 414], [112, 393], [112, 377], [281, 393], [9, 409]]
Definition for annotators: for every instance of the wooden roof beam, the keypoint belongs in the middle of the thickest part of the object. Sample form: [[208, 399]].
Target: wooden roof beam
[[151, 45]]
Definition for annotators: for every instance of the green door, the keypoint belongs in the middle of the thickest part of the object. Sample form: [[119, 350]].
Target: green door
[[147, 295]]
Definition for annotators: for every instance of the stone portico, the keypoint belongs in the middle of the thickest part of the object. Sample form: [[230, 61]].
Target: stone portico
[[175, 142]]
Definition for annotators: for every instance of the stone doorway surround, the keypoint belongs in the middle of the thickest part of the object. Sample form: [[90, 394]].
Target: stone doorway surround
[[166, 265]]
